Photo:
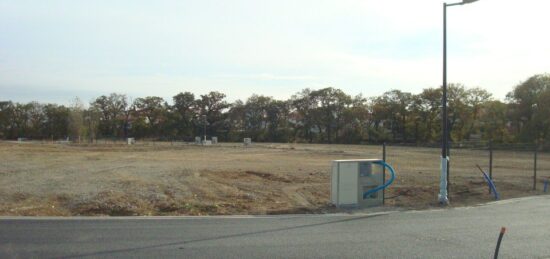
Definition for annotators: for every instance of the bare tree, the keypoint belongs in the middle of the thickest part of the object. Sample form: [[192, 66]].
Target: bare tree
[[76, 127]]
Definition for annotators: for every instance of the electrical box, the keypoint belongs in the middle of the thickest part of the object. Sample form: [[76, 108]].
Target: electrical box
[[350, 179], [131, 141]]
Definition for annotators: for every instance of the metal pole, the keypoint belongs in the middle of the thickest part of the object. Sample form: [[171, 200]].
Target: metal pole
[[444, 101], [384, 172], [443, 186], [490, 162], [445, 164], [535, 168], [204, 116]]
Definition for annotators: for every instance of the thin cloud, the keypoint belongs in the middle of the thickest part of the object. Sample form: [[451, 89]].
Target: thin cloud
[[267, 76], [272, 48]]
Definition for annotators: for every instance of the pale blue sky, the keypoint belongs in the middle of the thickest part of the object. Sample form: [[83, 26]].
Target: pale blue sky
[[51, 51]]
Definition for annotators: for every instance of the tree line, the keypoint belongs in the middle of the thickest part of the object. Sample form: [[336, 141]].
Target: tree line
[[327, 115]]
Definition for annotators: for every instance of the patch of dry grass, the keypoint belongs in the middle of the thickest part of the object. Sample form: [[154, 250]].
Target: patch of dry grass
[[179, 179]]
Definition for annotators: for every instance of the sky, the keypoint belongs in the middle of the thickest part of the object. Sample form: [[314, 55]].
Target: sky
[[53, 51]]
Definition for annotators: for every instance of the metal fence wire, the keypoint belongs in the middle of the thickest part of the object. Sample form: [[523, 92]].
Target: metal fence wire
[[517, 169]]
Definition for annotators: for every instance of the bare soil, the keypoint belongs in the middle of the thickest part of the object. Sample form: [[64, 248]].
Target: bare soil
[[47, 179]]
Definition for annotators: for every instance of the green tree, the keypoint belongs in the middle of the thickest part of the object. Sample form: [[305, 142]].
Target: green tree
[[430, 114], [493, 121], [529, 104], [330, 107], [255, 115], [302, 115], [214, 107], [392, 109], [476, 98], [56, 124], [184, 110], [356, 121], [6, 111], [277, 114], [151, 111], [236, 120], [114, 114], [458, 111]]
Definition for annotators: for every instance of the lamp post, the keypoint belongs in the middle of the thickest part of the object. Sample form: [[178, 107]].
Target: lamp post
[[204, 121], [443, 184]]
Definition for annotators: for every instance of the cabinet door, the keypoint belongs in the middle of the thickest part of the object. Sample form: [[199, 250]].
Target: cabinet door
[[347, 188]]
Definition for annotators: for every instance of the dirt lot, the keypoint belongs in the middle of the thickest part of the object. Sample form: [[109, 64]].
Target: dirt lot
[[181, 179]]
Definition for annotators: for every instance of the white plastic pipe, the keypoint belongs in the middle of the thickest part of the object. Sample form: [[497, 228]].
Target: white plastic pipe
[[442, 197]]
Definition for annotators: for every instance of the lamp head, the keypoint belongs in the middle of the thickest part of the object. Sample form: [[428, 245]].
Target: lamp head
[[468, 1]]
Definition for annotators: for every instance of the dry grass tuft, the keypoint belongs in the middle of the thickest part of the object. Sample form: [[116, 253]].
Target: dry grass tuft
[[177, 179]]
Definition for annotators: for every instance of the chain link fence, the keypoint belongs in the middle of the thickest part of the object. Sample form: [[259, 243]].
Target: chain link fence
[[517, 170]]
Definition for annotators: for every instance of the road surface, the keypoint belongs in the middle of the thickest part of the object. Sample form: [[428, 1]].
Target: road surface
[[461, 233]]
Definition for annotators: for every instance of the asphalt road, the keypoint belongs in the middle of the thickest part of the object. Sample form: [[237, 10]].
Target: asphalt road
[[461, 233]]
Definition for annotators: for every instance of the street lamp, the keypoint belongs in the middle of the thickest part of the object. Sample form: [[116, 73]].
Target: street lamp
[[204, 120], [443, 184]]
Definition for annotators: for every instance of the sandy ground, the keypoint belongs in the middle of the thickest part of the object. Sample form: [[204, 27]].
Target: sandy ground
[[182, 179]]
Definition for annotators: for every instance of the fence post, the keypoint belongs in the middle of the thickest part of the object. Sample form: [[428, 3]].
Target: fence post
[[535, 167], [384, 172], [449, 169], [490, 162]]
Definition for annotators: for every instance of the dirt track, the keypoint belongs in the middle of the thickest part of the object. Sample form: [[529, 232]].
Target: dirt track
[[181, 179]]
